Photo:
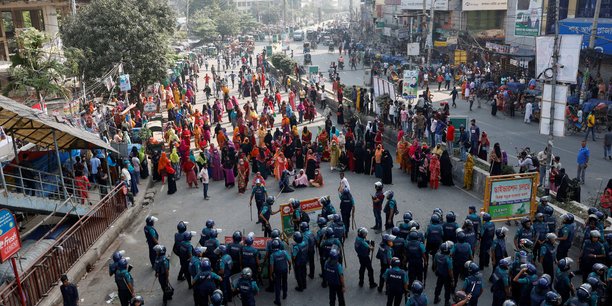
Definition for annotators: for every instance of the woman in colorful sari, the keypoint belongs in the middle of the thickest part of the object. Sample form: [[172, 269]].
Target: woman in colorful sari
[[306, 136], [201, 160], [221, 138], [243, 175], [311, 164], [402, 146], [175, 159], [334, 155], [82, 186], [228, 170], [434, 172], [162, 165], [215, 163], [280, 164], [318, 179], [378, 168], [323, 141], [189, 167]]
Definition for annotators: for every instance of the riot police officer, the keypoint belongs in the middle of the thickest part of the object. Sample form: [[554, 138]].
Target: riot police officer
[[225, 270], [473, 283], [461, 254], [347, 207], [399, 246], [443, 268], [260, 194], [250, 257], [550, 219], [181, 228], [525, 278], [384, 255], [377, 205], [112, 266], [539, 290], [552, 299], [300, 259], [434, 234], [592, 252], [450, 227], [542, 205], [330, 242], [194, 264], [390, 210], [185, 253], [280, 264], [297, 216], [339, 227], [547, 254], [563, 279], [264, 216], [524, 232], [234, 249], [205, 283], [137, 301], [417, 258], [417, 297], [311, 241], [211, 245], [473, 216], [247, 287], [582, 298], [501, 282], [328, 208], [364, 248], [397, 282], [333, 274], [124, 281], [565, 236], [206, 232], [152, 238], [471, 235], [540, 228], [405, 226], [498, 249], [162, 272], [487, 234]]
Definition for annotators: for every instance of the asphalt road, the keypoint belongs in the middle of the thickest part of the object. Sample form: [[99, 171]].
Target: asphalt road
[[231, 212]]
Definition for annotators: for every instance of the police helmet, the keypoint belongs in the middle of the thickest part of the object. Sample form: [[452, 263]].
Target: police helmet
[[362, 232], [548, 210], [584, 292], [539, 215], [118, 255], [444, 249], [395, 262], [270, 200], [531, 269], [247, 273], [500, 233], [334, 254], [595, 234], [543, 282], [210, 223], [122, 263], [473, 268], [551, 237], [297, 237], [188, 235], [275, 233], [461, 236], [337, 218], [525, 244], [214, 233], [395, 231], [160, 249], [553, 298], [386, 237], [221, 250], [567, 218], [468, 223], [486, 217], [435, 218], [407, 217], [237, 237], [346, 191], [599, 267], [199, 250], [459, 296], [414, 224], [565, 263], [509, 303], [378, 185], [593, 281], [248, 240], [150, 220], [600, 215], [329, 232], [276, 244], [417, 287], [413, 235], [451, 217], [181, 226], [608, 238], [304, 226], [205, 264], [295, 203], [325, 200], [217, 297], [137, 299], [321, 221], [389, 194], [525, 221], [544, 200], [592, 211], [504, 263]]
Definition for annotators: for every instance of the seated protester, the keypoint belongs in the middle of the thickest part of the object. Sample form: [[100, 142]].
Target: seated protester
[[301, 180], [318, 179], [283, 184]]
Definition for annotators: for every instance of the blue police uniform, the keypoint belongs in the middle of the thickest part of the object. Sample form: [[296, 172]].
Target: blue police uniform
[[332, 273], [346, 207], [205, 285], [499, 249], [280, 261], [266, 212], [568, 231], [414, 251], [363, 254], [162, 269], [526, 283], [417, 300], [248, 289], [547, 253], [384, 255], [434, 235], [443, 267], [473, 285], [500, 280], [122, 279], [259, 193], [397, 280], [225, 269], [300, 260], [404, 230], [461, 253], [487, 234], [311, 240], [250, 256], [185, 253], [475, 221], [562, 283], [450, 231], [152, 237]]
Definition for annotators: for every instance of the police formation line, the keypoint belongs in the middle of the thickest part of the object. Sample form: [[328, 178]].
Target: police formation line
[[217, 272]]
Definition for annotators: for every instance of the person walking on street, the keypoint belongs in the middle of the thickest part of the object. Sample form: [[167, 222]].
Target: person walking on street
[[583, 161], [590, 126], [454, 94], [70, 293]]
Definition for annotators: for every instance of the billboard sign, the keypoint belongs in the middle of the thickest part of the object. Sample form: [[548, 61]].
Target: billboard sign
[[10, 243], [439, 5], [583, 26], [568, 59], [484, 5], [528, 18], [510, 196], [410, 84]]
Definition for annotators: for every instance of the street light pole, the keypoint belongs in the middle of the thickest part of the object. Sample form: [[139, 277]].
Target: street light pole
[[430, 35], [555, 58]]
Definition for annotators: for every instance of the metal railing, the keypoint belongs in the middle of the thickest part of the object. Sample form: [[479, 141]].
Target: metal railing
[[32, 182], [39, 279]]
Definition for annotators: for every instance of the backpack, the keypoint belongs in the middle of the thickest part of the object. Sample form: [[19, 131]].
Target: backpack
[[304, 217], [535, 161]]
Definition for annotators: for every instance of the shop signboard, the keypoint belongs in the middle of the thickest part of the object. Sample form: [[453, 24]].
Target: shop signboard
[[410, 84], [10, 243], [509, 197], [484, 5], [528, 18], [439, 5], [309, 206], [124, 82]]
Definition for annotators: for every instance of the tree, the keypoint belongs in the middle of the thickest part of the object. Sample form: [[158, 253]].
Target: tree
[[203, 27], [247, 22], [133, 32], [227, 24], [40, 66]]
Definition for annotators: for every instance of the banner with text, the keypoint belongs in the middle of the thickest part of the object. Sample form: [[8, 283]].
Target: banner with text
[[485, 5], [528, 17], [439, 5], [410, 84], [310, 206], [510, 196]]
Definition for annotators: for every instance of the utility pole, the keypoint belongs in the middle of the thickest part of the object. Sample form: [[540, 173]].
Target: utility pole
[[585, 79], [73, 7], [350, 10], [555, 58], [430, 35]]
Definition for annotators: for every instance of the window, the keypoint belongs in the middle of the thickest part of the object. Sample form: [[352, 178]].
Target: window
[[485, 20]]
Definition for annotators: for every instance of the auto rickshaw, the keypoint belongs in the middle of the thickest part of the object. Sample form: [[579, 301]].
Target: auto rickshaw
[[306, 47], [307, 59]]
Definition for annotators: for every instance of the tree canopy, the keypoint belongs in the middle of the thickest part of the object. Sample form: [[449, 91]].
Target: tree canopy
[[211, 18], [133, 32]]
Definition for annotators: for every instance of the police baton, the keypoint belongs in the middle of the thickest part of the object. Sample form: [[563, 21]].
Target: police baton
[[343, 257], [251, 209]]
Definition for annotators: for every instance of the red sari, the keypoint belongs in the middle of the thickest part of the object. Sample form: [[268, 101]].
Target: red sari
[[189, 169]]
